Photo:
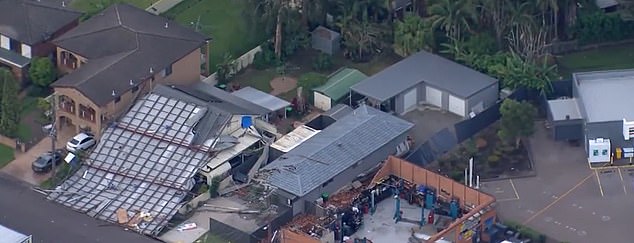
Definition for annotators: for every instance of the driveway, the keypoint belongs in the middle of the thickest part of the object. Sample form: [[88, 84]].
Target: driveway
[[20, 167], [566, 200], [29, 212]]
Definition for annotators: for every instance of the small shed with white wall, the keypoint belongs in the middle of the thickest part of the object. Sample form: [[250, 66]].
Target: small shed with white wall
[[337, 87]]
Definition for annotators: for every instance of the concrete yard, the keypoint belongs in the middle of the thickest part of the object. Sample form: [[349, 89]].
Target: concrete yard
[[429, 121], [381, 227], [567, 200]]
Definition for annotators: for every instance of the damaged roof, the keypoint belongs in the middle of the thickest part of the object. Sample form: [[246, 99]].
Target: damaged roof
[[334, 149], [145, 162]]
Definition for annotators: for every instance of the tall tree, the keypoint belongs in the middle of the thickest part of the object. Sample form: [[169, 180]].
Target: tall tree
[[42, 71], [9, 108], [412, 35], [269, 15], [453, 16], [517, 120]]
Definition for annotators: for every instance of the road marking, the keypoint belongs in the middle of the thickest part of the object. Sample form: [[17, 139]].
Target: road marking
[[557, 200], [596, 172], [517, 195], [622, 182], [507, 199]]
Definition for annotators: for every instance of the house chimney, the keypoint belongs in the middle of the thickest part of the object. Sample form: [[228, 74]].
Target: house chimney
[[131, 82], [166, 25], [114, 93]]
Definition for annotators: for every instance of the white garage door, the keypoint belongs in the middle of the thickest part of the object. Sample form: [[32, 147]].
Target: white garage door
[[434, 96], [410, 99], [456, 105]]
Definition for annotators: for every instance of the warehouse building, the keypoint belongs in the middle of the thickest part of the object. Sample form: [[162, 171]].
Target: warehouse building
[[334, 156], [598, 113], [426, 78]]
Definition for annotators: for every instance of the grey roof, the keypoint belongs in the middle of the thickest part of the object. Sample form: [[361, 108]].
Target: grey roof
[[229, 102], [325, 33], [604, 95], [13, 58], [434, 70], [11, 236], [31, 21], [145, 162], [270, 102], [334, 149], [130, 42], [561, 108], [400, 4], [338, 111]]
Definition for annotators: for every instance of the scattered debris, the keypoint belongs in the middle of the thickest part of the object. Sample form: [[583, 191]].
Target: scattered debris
[[122, 216], [188, 226]]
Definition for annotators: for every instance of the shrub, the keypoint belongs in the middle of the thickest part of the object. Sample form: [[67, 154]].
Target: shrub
[[265, 58], [599, 27], [310, 81], [322, 62], [493, 160]]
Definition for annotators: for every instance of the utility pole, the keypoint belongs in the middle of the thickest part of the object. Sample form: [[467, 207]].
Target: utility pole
[[53, 134]]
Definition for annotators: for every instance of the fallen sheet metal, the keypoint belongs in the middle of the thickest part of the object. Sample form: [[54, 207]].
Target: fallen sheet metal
[[122, 216]]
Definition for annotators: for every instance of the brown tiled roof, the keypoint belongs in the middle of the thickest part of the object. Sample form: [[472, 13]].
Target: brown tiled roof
[[32, 21], [121, 44]]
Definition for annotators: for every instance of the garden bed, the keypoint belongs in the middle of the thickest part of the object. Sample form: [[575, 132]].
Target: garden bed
[[493, 159]]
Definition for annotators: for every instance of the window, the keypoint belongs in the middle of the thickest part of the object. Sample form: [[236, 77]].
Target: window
[[604, 152], [116, 100], [135, 88], [595, 152]]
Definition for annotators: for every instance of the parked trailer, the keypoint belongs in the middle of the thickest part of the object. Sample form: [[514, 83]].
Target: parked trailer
[[11, 236]]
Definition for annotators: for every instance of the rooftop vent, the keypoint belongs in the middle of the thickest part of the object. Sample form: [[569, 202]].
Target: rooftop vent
[[166, 25], [114, 93], [63, 3], [131, 82], [151, 70]]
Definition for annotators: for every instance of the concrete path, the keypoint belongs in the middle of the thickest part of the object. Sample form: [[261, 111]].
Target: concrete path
[[20, 167], [162, 6]]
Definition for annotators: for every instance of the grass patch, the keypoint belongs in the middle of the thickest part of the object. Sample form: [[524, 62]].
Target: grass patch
[[223, 20], [61, 172], [93, 5], [258, 79], [605, 58], [6, 155]]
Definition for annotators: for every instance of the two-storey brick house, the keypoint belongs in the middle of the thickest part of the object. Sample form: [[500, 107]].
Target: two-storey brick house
[[26, 29], [117, 56]]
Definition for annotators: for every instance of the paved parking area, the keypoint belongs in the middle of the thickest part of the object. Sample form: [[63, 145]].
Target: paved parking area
[[428, 122], [567, 200]]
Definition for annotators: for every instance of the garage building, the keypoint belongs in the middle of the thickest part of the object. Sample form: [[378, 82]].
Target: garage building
[[426, 78], [605, 120]]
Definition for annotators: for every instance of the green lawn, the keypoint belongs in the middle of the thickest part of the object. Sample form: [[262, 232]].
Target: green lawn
[[91, 5], [606, 58], [259, 79], [6, 155], [223, 21]]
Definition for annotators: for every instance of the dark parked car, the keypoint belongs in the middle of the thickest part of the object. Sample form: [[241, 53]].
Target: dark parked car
[[44, 162]]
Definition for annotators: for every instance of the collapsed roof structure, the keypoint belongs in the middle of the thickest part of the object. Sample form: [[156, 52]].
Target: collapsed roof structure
[[143, 167]]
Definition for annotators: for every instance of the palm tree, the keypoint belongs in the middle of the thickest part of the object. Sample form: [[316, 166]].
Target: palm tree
[[412, 35], [453, 16], [550, 8]]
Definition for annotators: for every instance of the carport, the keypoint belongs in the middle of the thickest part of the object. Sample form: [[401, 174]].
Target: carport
[[565, 119], [267, 101], [426, 78]]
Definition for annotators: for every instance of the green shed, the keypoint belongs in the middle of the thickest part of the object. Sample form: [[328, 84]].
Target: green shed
[[337, 87]]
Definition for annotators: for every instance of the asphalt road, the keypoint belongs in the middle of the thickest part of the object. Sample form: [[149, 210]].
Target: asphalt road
[[28, 212]]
